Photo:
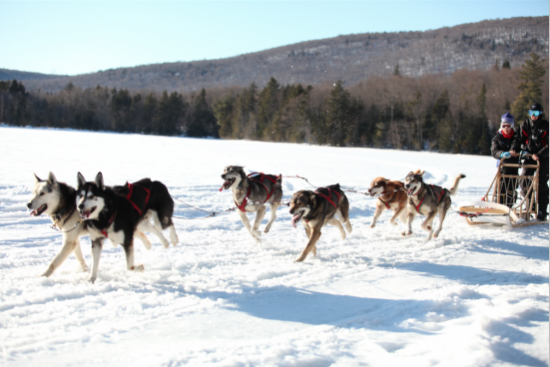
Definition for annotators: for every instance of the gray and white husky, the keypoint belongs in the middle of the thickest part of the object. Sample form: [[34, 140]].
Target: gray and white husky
[[58, 200], [428, 200], [251, 193]]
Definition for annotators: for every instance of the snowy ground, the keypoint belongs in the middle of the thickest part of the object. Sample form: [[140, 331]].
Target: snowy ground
[[474, 297]]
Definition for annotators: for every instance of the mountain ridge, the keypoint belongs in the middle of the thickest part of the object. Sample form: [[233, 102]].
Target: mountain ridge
[[350, 58]]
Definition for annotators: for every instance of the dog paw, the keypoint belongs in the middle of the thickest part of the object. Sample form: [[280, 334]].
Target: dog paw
[[406, 233], [266, 230], [139, 268], [298, 260], [165, 244], [373, 225], [92, 280], [256, 233], [394, 223], [47, 273]]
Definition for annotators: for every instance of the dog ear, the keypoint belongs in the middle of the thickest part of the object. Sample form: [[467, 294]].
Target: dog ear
[[80, 179], [99, 180], [51, 179], [36, 178]]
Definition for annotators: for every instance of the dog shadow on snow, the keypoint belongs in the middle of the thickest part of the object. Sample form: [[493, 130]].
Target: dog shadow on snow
[[292, 304]]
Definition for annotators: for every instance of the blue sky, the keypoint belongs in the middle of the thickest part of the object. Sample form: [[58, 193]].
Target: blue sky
[[76, 37]]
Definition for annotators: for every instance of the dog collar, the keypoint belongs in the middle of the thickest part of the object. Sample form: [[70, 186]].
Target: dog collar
[[103, 231]]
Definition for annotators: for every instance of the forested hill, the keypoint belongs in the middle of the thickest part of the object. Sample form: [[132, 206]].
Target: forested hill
[[351, 59]]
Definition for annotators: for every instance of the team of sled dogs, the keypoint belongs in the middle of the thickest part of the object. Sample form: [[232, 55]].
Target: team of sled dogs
[[121, 213]]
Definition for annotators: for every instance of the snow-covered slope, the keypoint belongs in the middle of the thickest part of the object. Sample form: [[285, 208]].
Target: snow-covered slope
[[477, 296]]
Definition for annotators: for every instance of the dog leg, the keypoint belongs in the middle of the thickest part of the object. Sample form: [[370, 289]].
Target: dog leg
[[377, 214], [427, 225], [310, 245], [246, 223], [79, 257], [260, 214], [395, 216], [66, 249], [143, 238], [155, 228], [129, 250], [335, 222], [343, 214], [273, 207], [97, 246], [410, 218], [173, 236], [442, 214]]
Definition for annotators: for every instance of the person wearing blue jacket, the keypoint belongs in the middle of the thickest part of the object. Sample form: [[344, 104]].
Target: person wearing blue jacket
[[501, 147]]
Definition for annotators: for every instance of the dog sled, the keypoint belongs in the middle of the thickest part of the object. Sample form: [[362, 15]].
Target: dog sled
[[511, 200]]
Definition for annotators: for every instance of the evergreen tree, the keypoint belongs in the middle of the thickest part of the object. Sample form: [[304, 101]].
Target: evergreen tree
[[223, 111], [337, 115], [484, 142], [203, 121], [269, 100], [531, 73]]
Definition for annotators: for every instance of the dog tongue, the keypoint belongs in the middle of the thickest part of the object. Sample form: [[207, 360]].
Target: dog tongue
[[221, 188], [295, 218]]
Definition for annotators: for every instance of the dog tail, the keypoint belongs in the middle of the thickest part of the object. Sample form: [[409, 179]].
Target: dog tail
[[454, 189]]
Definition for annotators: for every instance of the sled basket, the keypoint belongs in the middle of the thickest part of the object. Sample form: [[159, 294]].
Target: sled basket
[[511, 200]]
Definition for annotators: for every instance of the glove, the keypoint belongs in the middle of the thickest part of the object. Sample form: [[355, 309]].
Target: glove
[[524, 153], [505, 155]]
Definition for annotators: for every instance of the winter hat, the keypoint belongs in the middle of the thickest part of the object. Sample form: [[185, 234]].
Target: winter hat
[[507, 119]]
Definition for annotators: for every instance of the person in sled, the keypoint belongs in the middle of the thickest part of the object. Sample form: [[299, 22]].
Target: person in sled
[[533, 138], [501, 148]]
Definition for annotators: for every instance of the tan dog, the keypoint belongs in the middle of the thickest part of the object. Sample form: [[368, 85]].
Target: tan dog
[[391, 196], [316, 209]]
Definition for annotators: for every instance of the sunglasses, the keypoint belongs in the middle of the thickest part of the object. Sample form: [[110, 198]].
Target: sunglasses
[[534, 113], [506, 126]]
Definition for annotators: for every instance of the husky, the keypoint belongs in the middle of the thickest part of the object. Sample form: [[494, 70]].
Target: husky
[[427, 200], [107, 215], [151, 200], [58, 200], [391, 196], [251, 193], [316, 209]]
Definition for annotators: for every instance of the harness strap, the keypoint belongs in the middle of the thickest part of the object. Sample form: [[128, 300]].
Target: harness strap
[[245, 200], [417, 207], [328, 196], [103, 231], [261, 182], [129, 196], [386, 203]]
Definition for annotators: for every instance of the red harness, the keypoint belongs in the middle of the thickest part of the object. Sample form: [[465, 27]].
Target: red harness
[[438, 198], [129, 196], [328, 196], [108, 225], [271, 178]]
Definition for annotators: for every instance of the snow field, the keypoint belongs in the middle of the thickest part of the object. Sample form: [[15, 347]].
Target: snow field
[[477, 296]]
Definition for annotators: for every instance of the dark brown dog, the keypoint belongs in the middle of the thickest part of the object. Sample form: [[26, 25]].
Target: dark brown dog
[[316, 209], [391, 195]]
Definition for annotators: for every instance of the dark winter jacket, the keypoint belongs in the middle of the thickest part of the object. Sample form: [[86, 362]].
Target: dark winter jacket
[[533, 137], [501, 144]]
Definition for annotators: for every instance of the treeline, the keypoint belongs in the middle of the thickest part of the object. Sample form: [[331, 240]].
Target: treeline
[[458, 113]]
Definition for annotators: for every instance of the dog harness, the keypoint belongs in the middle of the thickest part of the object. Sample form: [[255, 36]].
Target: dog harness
[[259, 180], [103, 231], [129, 197], [329, 192], [439, 197]]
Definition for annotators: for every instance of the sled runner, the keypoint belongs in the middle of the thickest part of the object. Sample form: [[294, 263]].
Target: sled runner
[[510, 200]]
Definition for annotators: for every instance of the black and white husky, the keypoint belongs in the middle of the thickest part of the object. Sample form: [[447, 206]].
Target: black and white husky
[[251, 193], [58, 200], [107, 215]]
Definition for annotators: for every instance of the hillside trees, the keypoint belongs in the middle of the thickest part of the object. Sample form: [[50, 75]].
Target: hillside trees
[[457, 114], [531, 73]]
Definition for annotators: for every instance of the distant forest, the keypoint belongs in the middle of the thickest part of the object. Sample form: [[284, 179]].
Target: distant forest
[[458, 113]]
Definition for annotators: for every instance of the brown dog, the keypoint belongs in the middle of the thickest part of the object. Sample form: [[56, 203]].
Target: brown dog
[[316, 209], [391, 195]]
